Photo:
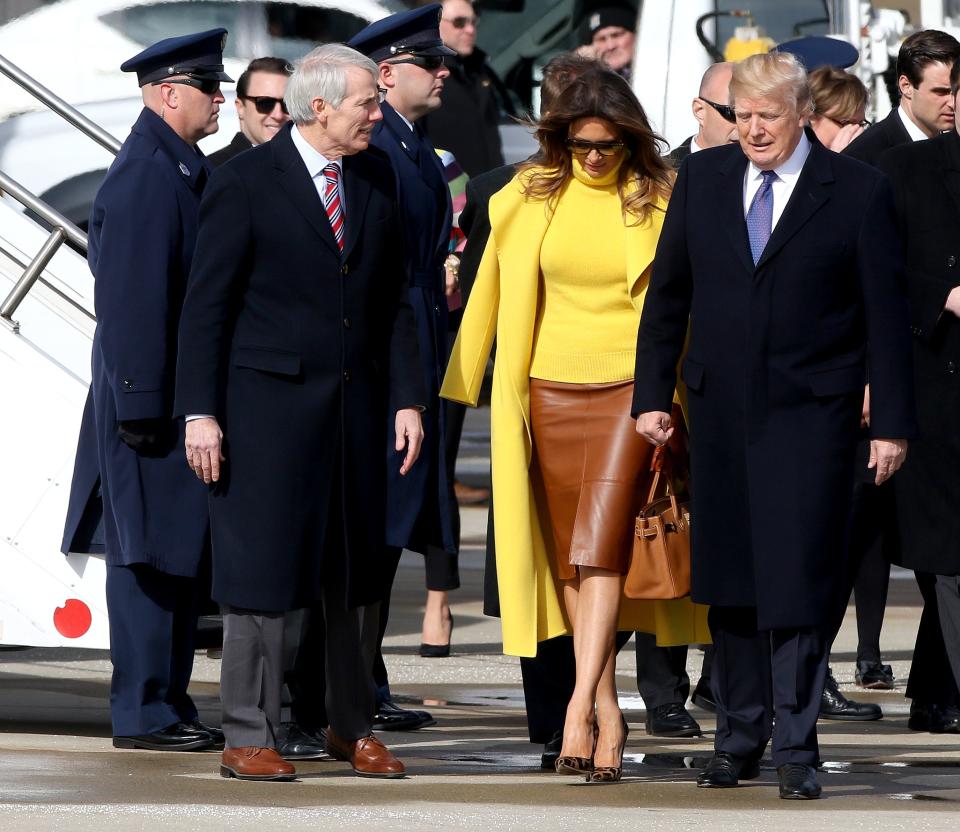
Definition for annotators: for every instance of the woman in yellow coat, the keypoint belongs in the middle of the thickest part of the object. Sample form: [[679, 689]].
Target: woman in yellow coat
[[561, 287]]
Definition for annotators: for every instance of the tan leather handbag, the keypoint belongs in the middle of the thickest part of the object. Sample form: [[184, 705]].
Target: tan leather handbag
[[660, 561]]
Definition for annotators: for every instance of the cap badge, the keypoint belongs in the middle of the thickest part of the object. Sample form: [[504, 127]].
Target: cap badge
[[594, 20]]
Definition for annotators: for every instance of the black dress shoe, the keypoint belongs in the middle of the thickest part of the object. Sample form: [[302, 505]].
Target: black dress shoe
[[934, 719], [724, 771], [296, 743], [798, 782], [177, 737], [200, 729], [390, 717], [834, 705], [671, 720], [437, 651], [703, 697], [548, 760], [873, 675]]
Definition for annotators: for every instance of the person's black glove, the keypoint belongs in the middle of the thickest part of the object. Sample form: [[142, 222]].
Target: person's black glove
[[148, 437]]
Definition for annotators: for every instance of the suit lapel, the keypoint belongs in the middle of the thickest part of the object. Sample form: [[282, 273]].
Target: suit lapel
[[299, 188], [357, 188], [808, 196], [731, 199], [950, 153]]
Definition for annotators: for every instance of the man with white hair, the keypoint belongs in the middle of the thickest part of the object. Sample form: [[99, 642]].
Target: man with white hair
[[296, 341], [783, 260]]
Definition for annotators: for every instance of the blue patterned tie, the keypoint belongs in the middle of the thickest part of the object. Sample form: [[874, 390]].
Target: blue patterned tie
[[760, 215]]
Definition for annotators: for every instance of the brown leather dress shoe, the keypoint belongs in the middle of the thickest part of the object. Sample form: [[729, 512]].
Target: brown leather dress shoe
[[253, 763], [368, 756]]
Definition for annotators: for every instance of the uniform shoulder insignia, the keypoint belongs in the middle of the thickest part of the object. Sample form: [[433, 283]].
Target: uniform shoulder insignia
[[184, 169]]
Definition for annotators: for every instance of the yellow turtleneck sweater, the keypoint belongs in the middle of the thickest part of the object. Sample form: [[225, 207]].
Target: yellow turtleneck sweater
[[586, 330]]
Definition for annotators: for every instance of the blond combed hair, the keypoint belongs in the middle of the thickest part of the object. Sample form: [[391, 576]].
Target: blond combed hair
[[776, 75]]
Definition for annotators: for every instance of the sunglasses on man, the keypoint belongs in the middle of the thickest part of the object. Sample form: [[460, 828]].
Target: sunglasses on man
[[463, 21], [430, 62], [726, 112], [208, 86], [264, 104]]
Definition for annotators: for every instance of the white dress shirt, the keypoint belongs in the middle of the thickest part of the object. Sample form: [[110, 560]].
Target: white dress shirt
[[787, 175], [916, 134]]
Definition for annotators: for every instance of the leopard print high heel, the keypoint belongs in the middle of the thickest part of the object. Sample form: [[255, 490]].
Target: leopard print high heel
[[610, 774], [578, 765]]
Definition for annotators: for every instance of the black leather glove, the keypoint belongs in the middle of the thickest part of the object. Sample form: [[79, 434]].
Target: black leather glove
[[148, 437]]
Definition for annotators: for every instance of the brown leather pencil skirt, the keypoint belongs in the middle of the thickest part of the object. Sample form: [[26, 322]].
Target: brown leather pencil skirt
[[590, 472]]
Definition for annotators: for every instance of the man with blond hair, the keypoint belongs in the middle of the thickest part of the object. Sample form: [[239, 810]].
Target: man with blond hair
[[783, 260]]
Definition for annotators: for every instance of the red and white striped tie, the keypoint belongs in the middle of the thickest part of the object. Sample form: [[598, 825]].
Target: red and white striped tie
[[333, 203]]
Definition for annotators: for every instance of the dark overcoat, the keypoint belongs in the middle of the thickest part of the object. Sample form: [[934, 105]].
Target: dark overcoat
[[873, 142], [300, 351], [777, 361], [926, 186], [143, 228], [421, 507]]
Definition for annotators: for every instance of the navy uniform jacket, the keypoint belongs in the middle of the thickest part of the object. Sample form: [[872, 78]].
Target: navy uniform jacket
[[300, 351], [143, 228], [420, 506], [775, 370]]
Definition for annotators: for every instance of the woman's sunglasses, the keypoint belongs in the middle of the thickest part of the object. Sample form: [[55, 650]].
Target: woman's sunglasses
[[208, 86], [579, 147], [264, 104], [726, 111], [430, 62]]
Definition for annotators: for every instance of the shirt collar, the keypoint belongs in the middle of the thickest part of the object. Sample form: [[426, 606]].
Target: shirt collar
[[916, 134], [694, 147], [791, 168], [312, 158], [404, 119]]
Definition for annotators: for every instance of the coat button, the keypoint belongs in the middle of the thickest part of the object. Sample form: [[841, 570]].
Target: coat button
[[344, 269], [127, 384], [951, 261], [951, 367], [346, 375], [346, 323]]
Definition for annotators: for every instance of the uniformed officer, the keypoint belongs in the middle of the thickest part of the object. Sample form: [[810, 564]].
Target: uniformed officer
[[421, 509], [143, 228]]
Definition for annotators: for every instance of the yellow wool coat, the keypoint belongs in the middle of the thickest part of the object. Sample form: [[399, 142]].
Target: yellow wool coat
[[503, 305]]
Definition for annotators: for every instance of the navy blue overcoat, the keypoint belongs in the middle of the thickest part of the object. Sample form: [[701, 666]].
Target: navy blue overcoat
[[421, 508], [143, 229], [779, 353]]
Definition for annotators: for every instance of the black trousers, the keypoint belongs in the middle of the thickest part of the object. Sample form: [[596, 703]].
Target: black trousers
[[931, 681], [153, 622], [762, 674]]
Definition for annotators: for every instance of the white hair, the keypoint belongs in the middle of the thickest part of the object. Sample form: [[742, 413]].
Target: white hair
[[322, 73]]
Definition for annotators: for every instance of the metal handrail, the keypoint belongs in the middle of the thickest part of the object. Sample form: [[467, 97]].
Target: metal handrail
[[63, 229], [59, 106]]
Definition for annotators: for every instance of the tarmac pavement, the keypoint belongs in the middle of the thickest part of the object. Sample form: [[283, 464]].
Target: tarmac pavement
[[474, 770]]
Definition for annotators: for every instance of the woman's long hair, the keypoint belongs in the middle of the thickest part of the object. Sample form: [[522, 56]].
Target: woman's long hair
[[601, 93]]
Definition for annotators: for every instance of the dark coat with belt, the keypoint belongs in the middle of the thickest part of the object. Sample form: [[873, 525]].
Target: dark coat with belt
[[143, 230], [300, 351], [421, 507], [926, 186], [777, 361], [872, 143]]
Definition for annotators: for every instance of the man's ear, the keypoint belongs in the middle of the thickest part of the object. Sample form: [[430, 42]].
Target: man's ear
[[388, 75], [320, 110], [698, 108], [906, 88]]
